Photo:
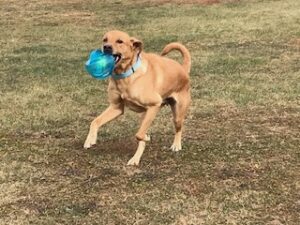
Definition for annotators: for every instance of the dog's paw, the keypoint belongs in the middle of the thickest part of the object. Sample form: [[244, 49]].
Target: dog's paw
[[88, 145], [147, 137], [134, 161], [176, 147], [89, 142]]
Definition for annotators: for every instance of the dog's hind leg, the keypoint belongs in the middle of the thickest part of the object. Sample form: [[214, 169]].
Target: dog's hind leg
[[179, 110]]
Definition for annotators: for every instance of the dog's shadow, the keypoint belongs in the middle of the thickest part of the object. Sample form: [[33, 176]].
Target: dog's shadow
[[124, 145]]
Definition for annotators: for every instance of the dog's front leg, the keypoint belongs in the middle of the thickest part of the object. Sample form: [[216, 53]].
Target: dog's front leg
[[112, 112], [135, 160], [141, 134]]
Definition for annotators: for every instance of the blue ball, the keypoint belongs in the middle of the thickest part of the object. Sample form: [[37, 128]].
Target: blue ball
[[100, 65]]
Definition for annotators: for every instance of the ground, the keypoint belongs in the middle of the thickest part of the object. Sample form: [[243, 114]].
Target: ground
[[240, 157]]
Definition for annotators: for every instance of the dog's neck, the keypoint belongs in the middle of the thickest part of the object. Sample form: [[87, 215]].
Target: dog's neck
[[127, 69]]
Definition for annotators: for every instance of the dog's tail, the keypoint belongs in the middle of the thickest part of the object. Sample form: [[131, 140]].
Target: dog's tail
[[184, 52]]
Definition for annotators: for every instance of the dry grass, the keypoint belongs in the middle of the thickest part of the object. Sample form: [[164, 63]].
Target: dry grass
[[240, 163]]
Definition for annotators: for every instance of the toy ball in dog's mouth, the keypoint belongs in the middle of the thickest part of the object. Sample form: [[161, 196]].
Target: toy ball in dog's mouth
[[101, 65]]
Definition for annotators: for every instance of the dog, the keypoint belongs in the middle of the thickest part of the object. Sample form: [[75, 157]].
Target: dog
[[144, 82]]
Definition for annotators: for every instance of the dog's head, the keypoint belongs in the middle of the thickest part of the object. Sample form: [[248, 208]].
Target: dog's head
[[123, 48]]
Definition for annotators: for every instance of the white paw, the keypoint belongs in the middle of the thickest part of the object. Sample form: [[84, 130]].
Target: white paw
[[134, 161], [176, 147], [147, 137], [90, 141]]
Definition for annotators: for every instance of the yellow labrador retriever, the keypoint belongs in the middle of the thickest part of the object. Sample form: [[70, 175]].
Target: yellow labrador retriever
[[144, 82]]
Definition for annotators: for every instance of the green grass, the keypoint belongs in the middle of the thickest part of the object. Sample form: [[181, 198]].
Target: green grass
[[240, 163]]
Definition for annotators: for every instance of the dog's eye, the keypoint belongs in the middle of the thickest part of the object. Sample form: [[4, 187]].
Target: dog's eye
[[119, 41], [104, 40]]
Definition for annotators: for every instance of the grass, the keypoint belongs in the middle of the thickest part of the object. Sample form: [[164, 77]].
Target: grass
[[240, 163]]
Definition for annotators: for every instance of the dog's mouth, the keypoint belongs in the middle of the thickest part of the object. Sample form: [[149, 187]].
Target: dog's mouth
[[117, 58]]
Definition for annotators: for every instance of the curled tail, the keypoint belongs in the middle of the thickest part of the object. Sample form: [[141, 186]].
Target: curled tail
[[184, 52]]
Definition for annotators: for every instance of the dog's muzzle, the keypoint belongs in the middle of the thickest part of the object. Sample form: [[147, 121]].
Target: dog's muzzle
[[107, 49]]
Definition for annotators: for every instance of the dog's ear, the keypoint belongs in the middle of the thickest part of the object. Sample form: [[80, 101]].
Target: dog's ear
[[137, 44]]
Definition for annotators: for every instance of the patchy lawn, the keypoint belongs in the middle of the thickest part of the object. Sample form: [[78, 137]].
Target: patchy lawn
[[240, 163]]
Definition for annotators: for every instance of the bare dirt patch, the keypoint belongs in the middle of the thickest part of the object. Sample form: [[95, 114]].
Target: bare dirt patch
[[200, 2], [49, 12], [295, 42]]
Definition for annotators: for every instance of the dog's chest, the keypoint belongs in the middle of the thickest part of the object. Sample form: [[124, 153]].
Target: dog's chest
[[131, 103], [130, 94]]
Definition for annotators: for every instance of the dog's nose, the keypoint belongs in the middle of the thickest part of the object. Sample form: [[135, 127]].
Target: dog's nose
[[107, 49]]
